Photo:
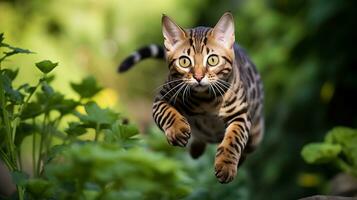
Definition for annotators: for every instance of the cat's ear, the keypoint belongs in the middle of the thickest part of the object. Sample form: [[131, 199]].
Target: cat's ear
[[172, 32], [223, 32]]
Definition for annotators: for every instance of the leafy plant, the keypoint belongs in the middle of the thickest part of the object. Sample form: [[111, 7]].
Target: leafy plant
[[113, 165], [339, 147]]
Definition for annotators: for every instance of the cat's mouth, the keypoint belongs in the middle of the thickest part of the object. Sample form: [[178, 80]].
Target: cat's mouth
[[199, 87]]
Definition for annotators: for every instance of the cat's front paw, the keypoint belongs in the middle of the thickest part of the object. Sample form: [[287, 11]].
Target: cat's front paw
[[178, 133], [225, 166], [224, 172]]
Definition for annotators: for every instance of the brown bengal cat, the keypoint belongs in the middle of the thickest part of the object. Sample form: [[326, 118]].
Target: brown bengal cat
[[213, 93]]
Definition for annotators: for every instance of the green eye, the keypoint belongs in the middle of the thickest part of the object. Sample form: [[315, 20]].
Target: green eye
[[184, 61], [213, 60]]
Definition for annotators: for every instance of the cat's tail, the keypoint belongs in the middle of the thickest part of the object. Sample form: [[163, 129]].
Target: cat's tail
[[150, 51]]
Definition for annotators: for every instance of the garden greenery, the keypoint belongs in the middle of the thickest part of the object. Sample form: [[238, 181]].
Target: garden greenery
[[107, 167], [338, 148]]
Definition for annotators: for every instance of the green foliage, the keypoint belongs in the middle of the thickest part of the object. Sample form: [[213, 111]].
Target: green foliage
[[39, 189], [13, 50], [339, 147], [106, 171], [320, 153], [96, 116], [116, 164]]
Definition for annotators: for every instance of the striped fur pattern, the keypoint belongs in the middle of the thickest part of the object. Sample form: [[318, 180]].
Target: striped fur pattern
[[150, 51], [213, 94]]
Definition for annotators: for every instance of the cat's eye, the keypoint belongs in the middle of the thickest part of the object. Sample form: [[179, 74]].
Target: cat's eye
[[184, 61], [212, 60]]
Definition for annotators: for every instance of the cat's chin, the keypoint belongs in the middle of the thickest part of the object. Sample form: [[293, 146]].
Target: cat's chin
[[200, 88]]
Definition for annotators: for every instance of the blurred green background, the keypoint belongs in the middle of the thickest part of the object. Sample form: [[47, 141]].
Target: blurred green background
[[305, 51]]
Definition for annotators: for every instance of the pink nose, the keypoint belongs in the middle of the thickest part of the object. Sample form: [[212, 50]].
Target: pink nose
[[198, 77]]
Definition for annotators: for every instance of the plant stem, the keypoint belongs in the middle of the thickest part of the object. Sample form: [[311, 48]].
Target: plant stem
[[42, 138], [20, 191], [34, 170], [97, 131], [10, 146], [17, 120]]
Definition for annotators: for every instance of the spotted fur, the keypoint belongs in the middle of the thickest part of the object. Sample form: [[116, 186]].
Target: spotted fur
[[211, 104]]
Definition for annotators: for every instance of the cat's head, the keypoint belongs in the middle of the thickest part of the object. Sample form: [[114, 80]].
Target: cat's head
[[202, 57]]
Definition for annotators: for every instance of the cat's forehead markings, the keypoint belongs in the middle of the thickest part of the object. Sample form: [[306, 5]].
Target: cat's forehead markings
[[207, 50]]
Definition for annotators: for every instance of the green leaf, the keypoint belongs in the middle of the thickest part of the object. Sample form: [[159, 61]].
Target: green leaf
[[33, 109], [96, 115], [341, 135], [75, 129], [122, 135], [39, 189], [87, 88], [11, 74], [19, 178], [347, 139], [67, 106], [50, 99], [315, 153], [23, 130], [14, 96], [46, 66]]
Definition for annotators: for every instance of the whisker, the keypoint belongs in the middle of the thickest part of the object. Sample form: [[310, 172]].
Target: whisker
[[218, 88], [211, 87], [166, 83], [184, 94], [225, 84], [177, 93], [180, 84], [222, 85]]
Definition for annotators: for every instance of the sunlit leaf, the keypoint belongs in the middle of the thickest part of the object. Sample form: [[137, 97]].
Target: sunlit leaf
[[87, 88], [46, 66], [97, 115], [347, 139], [320, 152]]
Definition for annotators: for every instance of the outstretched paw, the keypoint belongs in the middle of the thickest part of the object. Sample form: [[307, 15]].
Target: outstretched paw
[[178, 133], [226, 164], [225, 171]]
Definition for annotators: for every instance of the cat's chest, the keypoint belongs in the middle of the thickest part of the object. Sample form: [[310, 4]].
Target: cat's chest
[[207, 127], [203, 117], [202, 107]]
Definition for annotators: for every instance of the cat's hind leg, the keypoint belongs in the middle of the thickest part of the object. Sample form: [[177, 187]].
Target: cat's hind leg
[[197, 148]]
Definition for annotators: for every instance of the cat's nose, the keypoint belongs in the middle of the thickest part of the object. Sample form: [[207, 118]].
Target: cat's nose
[[198, 77]]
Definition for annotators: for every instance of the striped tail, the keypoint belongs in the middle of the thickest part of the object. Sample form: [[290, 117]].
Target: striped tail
[[150, 51]]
